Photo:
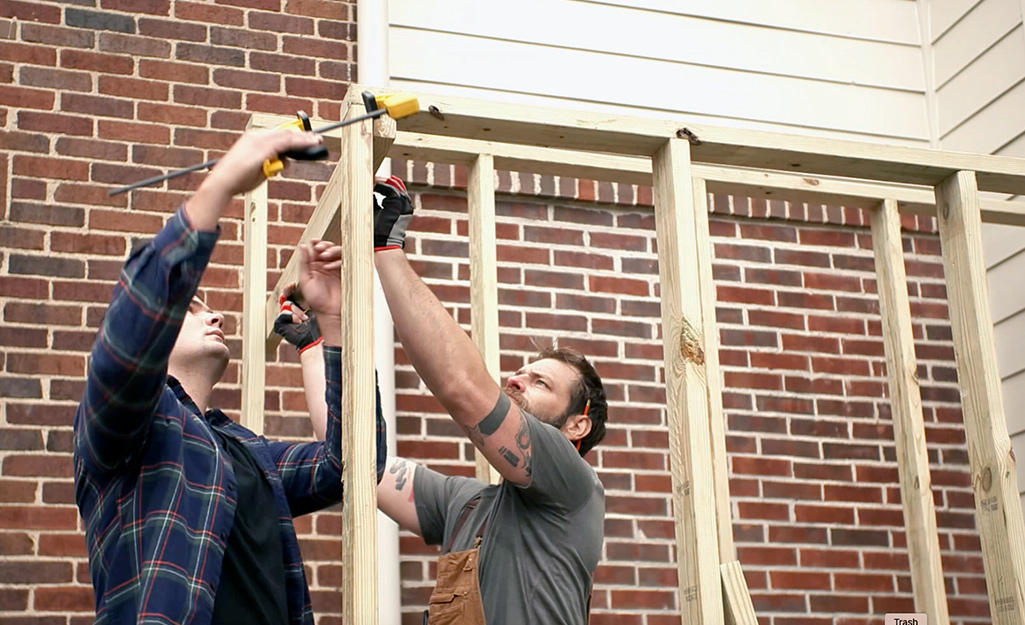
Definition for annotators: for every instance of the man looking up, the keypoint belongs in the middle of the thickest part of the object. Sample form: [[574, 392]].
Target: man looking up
[[188, 515], [522, 552]]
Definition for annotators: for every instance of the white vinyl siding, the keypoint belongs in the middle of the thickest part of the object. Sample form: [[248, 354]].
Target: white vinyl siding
[[977, 62], [854, 71]]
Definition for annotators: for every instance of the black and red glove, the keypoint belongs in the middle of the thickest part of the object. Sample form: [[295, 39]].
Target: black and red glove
[[393, 211], [303, 334]]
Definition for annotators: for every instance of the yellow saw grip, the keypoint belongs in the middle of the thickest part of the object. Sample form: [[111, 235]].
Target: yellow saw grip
[[272, 166]]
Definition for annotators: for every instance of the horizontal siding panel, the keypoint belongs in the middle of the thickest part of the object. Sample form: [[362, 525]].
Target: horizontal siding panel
[[527, 99], [895, 21], [945, 13], [1006, 295], [989, 21], [1009, 334], [589, 76], [1014, 399], [681, 38], [1001, 242], [1018, 447], [992, 127], [984, 80]]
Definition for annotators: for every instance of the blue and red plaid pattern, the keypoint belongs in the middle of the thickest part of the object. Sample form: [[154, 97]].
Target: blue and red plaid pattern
[[155, 490]]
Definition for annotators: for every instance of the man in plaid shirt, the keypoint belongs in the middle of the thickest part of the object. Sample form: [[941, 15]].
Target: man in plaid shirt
[[188, 515]]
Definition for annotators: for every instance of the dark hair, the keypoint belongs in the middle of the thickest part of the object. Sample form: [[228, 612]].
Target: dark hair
[[588, 389]]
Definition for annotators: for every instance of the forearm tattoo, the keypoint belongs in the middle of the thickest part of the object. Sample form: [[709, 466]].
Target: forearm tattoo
[[523, 442], [401, 473]]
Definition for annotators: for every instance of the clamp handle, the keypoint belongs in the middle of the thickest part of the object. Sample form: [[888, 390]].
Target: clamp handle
[[272, 166]]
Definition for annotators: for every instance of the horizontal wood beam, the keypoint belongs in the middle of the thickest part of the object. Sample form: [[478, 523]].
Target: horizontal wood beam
[[577, 130], [790, 187]]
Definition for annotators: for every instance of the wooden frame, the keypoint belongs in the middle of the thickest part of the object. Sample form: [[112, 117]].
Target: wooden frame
[[683, 163]]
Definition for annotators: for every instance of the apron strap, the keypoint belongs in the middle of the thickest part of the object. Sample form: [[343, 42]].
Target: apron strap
[[467, 509]]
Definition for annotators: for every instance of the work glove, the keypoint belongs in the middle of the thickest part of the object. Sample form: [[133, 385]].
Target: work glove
[[393, 211], [302, 334]]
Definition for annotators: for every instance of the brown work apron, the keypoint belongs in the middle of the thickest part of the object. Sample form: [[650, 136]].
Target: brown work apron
[[456, 597]]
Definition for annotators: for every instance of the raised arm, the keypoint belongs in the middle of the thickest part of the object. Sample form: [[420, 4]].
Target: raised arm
[[128, 367], [442, 353]]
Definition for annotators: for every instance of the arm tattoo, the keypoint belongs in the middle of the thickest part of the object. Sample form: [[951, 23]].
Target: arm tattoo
[[401, 471], [490, 423], [523, 443], [509, 455]]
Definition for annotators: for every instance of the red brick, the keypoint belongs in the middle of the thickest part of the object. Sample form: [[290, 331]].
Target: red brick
[[793, 580], [55, 364], [311, 88], [132, 88], [92, 149], [66, 599], [136, 46], [11, 599], [277, 104], [88, 194], [643, 599], [36, 517], [57, 123], [174, 72], [26, 98], [44, 167], [22, 53], [245, 80], [209, 13], [95, 62], [292, 65], [625, 286], [133, 132]]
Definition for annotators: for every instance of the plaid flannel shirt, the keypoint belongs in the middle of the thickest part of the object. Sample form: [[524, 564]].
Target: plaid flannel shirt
[[156, 491]]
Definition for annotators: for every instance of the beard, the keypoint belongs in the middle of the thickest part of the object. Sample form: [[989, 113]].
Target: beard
[[557, 421]]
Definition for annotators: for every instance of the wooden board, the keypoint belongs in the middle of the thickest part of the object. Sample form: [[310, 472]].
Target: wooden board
[[999, 512], [555, 128], [684, 351], [710, 331], [738, 608], [325, 219], [359, 507], [480, 195], [906, 408], [254, 325], [720, 180]]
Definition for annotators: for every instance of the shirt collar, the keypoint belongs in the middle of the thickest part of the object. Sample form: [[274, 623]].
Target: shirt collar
[[214, 416]]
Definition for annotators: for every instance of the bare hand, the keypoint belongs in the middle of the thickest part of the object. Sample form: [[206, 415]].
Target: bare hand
[[241, 169], [320, 278]]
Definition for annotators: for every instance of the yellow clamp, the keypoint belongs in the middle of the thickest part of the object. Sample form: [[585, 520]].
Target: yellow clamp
[[272, 166], [398, 105]]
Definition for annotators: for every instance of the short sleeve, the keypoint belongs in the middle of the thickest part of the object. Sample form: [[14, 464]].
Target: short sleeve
[[439, 497], [559, 476]]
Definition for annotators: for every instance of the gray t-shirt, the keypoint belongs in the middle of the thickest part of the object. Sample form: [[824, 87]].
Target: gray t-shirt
[[542, 542]]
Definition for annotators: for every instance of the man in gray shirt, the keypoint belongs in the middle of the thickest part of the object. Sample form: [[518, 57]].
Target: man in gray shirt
[[522, 552]]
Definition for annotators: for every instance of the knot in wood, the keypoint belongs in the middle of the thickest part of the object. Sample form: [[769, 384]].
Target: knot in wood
[[690, 344]]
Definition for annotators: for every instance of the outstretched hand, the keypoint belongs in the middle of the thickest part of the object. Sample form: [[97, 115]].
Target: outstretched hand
[[241, 170], [321, 284]]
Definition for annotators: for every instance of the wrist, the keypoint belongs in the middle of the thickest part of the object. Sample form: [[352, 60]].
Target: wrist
[[330, 329]]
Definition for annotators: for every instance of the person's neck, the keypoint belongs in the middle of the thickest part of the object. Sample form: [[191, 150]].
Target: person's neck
[[198, 384]]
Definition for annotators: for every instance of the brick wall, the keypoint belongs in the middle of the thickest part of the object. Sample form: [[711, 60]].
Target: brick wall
[[99, 93], [814, 491]]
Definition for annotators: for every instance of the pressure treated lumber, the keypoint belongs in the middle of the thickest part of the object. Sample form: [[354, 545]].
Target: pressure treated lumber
[[990, 457], [602, 132], [738, 609], [480, 196], [254, 324], [720, 180], [906, 409], [684, 351], [710, 332], [359, 506]]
